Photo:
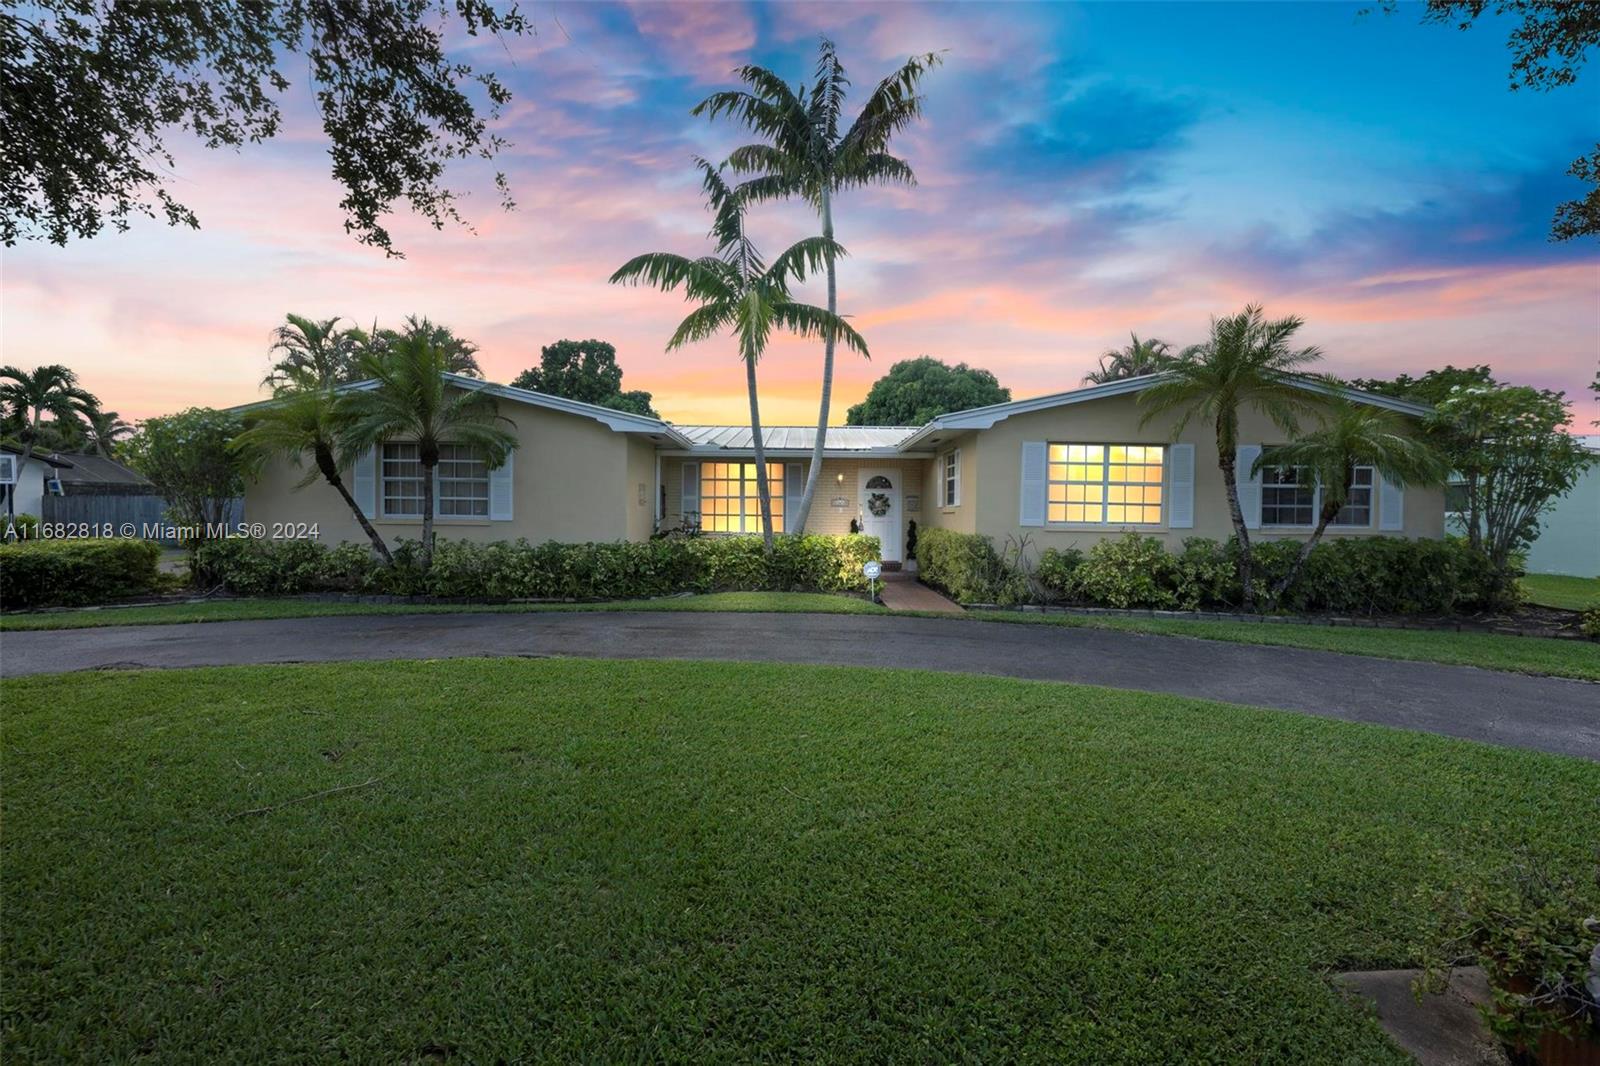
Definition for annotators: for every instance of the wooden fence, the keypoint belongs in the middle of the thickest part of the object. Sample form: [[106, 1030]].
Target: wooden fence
[[145, 513]]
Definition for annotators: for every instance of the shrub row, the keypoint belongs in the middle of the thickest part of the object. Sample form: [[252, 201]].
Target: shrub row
[[1367, 575], [71, 573], [968, 569], [520, 570]]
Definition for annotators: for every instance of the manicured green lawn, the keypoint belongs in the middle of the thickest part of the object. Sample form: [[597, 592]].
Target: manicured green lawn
[[1559, 590], [242, 609], [1524, 655], [570, 860]]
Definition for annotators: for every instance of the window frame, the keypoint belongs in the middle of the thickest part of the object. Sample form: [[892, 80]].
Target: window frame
[[749, 503], [382, 480], [1371, 488], [950, 479], [1105, 484]]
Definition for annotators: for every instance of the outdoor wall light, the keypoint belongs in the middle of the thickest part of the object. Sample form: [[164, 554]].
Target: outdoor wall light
[[839, 478]]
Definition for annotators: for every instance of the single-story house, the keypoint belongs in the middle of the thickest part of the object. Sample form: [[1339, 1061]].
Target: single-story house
[[1067, 469], [25, 486]]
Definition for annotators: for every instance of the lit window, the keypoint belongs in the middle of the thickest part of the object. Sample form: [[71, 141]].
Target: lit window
[[402, 479], [463, 482], [730, 497], [461, 485], [952, 478], [1291, 496], [1108, 484]]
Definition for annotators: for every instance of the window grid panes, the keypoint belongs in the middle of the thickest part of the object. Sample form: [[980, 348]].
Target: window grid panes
[[402, 479], [730, 497], [1109, 484], [1357, 510], [1290, 496], [952, 478], [463, 482]]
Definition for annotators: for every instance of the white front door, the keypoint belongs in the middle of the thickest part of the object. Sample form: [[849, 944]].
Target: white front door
[[880, 511]]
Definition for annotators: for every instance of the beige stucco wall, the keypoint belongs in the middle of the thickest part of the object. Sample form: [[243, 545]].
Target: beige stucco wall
[[962, 518], [825, 516], [997, 453], [573, 479]]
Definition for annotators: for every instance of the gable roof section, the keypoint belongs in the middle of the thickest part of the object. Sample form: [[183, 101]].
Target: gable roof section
[[985, 417], [618, 421]]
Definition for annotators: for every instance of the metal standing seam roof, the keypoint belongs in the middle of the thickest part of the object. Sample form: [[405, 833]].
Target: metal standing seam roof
[[782, 438]]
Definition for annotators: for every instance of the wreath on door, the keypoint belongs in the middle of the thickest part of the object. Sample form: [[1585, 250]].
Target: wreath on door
[[878, 504]]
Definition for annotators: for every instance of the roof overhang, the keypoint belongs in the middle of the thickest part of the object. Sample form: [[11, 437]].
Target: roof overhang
[[705, 452], [618, 421], [986, 417]]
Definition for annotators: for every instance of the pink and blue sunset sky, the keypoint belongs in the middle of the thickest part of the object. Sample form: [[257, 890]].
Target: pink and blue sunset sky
[[1084, 171]]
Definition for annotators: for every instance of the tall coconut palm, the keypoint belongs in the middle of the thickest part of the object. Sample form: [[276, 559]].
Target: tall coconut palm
[[808, 154], [413, 401], [48, 390], [1138, 358], [1249, 362], [737, 289], [105, 429], [1352, 435], [303, 420], [315, 348]]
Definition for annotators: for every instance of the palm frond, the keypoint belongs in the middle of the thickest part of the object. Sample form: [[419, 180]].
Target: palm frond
[[807, 321]]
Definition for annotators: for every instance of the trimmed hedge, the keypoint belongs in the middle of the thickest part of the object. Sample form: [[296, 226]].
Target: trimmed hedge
[[1366, 575], [74, 573], [513, 570], [968, 569]]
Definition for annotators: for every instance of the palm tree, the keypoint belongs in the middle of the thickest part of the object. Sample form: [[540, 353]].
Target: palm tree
[[1248, 362], [1352, 435], [1134, 361], [736, 289], [28, 397], [460, 355], [413, 402], [808, 156], [105, 429], [317, 348], [304, 419]]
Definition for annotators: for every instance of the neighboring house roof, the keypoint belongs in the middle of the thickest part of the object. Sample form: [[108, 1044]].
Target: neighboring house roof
[[620, 421], [783, 440], [985, 417], [1591, 442], [54, 460], [98, 470]]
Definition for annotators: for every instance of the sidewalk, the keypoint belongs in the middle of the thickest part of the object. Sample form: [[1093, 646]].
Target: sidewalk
[[903, 592]]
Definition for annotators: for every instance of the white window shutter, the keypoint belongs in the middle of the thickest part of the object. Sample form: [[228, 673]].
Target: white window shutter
[[364, 482], [1033, 483], [794, 487], [1391, 506], [1180, 498], [689, 493], [500, 502], [1249, 484]]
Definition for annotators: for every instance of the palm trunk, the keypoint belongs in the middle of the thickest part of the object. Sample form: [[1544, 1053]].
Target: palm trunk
[[815, 473], [429, 463], [763, 487], [1328, 514], [330, 473], [1227, 461]]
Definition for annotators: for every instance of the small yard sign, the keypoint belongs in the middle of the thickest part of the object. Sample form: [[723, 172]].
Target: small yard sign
[[872, 569]]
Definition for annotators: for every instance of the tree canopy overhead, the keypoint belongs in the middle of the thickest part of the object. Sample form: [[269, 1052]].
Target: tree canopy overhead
[[918, 390], [92, 94], [586, 371]]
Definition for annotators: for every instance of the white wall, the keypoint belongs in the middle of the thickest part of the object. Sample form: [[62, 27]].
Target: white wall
[[1569, 535]]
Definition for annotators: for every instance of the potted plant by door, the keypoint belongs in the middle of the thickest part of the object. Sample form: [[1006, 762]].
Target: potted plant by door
[[911, 547]]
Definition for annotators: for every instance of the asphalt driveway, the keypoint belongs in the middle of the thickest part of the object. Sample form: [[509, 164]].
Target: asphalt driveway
[[1547, 714]]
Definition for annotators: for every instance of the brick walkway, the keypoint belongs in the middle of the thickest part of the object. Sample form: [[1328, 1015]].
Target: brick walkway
[[903, 592]]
